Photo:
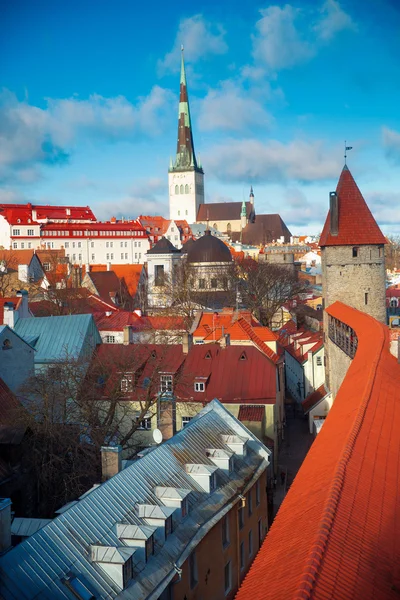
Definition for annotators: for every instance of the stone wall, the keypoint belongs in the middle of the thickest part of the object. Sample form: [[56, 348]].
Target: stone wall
[[358, 282], [337, 364]]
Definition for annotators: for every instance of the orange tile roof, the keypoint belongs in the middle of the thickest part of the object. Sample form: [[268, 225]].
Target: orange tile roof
[[313, 399], [336, 533], [130, 273], [356, 223], [251, 413]]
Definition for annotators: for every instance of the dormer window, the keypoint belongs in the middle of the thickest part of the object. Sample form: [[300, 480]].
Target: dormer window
[[166, 384], [243, 356], [199, 386]]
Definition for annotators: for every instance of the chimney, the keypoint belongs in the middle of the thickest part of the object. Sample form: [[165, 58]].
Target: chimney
[[23, 273], [108, 266], [334, 213], [225, 340], [186, 342], [23, 311], [127, 334], [5, 525], [10, 316], [138, 312], [111, 461]]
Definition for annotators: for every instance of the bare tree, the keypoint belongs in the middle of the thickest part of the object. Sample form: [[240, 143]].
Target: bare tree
[[263, 287], [73, 408], [392, 252], [8, 273]]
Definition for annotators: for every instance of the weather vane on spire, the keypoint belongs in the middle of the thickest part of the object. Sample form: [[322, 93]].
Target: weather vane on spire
[[345, 151]]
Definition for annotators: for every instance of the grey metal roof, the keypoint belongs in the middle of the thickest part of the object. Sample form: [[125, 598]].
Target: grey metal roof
[[37, 568], [27, 527], [58, 337]]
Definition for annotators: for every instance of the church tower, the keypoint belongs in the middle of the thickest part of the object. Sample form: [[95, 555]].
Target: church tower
[[186, 176], [353, 262]]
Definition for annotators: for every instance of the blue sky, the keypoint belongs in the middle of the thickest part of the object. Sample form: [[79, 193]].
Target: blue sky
[[88, 108]]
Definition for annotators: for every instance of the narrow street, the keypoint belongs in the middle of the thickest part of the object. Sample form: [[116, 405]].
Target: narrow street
[[292, 452]]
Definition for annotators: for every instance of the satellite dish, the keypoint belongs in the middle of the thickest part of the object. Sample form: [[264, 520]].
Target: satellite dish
[[157, 436]]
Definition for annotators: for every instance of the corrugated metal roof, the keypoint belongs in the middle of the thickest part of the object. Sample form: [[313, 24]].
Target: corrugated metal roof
[[27, 527], [36, 568], [70, 335]]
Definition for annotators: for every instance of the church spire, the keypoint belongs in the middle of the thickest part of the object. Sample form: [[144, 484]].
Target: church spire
[[185, 154]]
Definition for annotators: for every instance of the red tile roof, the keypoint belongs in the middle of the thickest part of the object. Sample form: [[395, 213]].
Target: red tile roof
[[21, 214], [313, 399], [130, 273], [336, 533], [251, 413], [356, 223]]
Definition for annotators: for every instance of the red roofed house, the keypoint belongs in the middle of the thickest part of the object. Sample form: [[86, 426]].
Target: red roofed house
[[109, 287], [353, 261], [127, 327], [336, 533], [304, 360], [135, 277]]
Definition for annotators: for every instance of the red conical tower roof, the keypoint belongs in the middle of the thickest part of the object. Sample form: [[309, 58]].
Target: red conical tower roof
[[356, 224]]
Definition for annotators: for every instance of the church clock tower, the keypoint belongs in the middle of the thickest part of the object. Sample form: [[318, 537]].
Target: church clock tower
[[185, 176]]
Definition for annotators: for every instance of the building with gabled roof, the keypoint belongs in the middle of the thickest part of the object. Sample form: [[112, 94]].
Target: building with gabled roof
[[353, 260], [336, 533], [166, 524]]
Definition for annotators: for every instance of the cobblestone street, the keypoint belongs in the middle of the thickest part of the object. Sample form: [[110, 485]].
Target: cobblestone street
[[292, 452]]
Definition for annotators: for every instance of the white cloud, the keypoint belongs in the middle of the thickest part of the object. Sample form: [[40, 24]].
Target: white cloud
[[391, 144], [278, 43], [333, 20], [231, 108], [273, 161], [199, 37], [289, 36], [146, 197], [30, 135]]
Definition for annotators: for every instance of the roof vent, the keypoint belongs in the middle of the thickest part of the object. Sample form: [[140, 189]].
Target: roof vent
[[115, 561], [204, 475]]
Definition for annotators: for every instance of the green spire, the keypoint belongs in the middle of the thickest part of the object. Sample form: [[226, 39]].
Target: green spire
[[243, 213]]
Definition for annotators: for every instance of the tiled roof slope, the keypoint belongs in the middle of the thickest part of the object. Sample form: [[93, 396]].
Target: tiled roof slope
[[251, 413], [356, 223], [337, 532], [313, 399]]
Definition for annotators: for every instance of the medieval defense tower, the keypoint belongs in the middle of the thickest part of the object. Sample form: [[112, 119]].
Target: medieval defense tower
[[185, 176], [353, 262]]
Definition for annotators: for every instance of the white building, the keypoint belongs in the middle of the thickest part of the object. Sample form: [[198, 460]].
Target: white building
[[186, 176], [160, 263]]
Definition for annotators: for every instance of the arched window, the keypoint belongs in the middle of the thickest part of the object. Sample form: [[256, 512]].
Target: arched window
[[186, 189], [182, 189], [215, 226], [229, 228], [177, 189]]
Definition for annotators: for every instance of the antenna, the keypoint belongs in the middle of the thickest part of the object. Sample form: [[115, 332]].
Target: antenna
[[345, 151], [157, 436]]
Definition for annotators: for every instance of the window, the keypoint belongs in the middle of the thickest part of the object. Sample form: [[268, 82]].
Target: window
[[122, 255], [260, 533], [186, 212], [177, 189], [107, 256], [92, 244], [242, 556], [213, 482], [149, 547], [214, 283], [168, 526], [46, 266], [202, 284], [179, 213], [166, 383], [225, 531], [79, 244], [31, 232], [127, 572], [182, 189], [79, 257], [319, 361], [250, 503], [158, 275], [186, 189], [66, 244], [73, 257], [199, 386], [258, 492], [93, 257], [250, 542], [193, 574], [111, 244], [126, 255], [29, 245], [145, 424], [7, 345], [15, 245], [16, 232], [355, 252], [228, 577], [22, 245], [186, 421], [107, 244], [126, 383], [366, 298], [73, 244], [241, 517]]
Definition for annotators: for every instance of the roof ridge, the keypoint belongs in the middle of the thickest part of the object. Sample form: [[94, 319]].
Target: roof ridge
[[258, 341], [317, 550]]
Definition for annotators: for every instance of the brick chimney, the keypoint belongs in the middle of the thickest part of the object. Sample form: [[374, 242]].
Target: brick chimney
[[187, 340], [334, 213], [111, 461]]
